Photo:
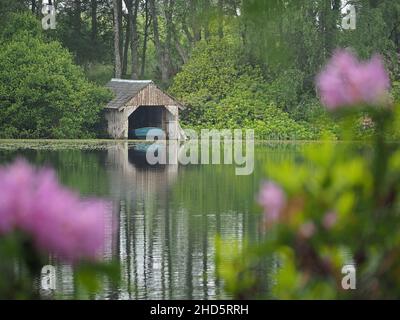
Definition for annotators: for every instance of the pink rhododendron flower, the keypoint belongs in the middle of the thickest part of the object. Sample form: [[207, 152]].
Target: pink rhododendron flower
[[58, 221], [307, 230], [272, 199], [329, 220], [347, 81]]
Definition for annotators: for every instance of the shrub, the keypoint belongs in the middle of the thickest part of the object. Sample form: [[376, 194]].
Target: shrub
[[330, 216], [42, 93], [220, 92]]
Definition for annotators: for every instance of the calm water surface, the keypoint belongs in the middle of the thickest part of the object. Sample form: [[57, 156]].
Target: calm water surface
[[167, 216]]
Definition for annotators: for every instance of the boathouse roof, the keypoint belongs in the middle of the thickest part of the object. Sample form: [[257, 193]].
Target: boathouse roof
[[138, 92]]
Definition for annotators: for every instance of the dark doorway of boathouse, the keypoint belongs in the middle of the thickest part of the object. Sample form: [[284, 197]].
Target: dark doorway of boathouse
[[146, 117]]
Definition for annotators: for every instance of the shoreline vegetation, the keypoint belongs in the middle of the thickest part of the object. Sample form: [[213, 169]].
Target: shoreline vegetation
[[105, 144], [235, 74], [322, 191]]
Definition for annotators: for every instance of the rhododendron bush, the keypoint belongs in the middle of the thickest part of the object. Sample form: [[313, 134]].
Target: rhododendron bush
[[41, 220], [336, 206]]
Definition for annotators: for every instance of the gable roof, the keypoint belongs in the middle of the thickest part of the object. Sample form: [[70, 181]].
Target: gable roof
[[124, 91], [138, 92]]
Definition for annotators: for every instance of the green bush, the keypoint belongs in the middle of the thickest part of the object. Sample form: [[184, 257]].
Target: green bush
[[42, 93], [285, 90], [244, 110], [341, 208], [211, 71], [220, 92]]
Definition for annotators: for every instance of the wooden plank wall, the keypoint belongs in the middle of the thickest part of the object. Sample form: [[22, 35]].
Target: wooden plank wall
[[151, 96], [118, 123]]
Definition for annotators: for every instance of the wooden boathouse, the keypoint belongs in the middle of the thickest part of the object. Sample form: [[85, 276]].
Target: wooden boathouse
[[139, 104]]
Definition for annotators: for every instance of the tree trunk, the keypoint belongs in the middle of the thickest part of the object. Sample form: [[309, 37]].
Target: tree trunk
[[329, 14], [195, 19], [33, 6], [121, 31], [206, 9], [178, 46], [168, 9], [77, 16], [39, 6], [186, 30], [145, 37], [133, 12], [181, 50], [117, 51], [93, 8], [126, 43], [158, 44], [220, 19]]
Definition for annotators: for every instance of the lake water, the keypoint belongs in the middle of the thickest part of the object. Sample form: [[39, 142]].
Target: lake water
[[167, 216]]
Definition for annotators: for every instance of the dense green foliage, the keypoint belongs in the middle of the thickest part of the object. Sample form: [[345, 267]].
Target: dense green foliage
[[266, 79], [233, 63], [42, 93], [231, 94], [359, 185]]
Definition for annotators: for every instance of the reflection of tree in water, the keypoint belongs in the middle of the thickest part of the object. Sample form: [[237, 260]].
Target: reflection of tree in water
[[130, 173], [168, 219], [141, 192], [81, 170]]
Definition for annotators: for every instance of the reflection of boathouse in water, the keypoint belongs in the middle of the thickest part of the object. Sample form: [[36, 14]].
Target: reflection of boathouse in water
[[166, 246], [131, 173], [156, 235], [165, 227]]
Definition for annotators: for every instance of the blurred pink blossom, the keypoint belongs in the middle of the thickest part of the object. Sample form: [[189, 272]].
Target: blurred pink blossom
[[272, 199], [307, 230], [346, 81], [329, 220], [59, 222]]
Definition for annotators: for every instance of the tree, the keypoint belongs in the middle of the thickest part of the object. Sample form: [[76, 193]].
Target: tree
[[93, 9], [221, 18], [133, 38], [147, 23], [156, 38], [117, 35], [43, 94], [160, 50]]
